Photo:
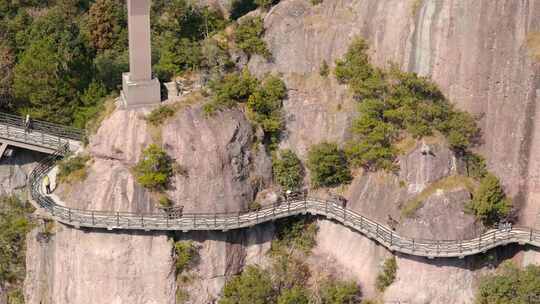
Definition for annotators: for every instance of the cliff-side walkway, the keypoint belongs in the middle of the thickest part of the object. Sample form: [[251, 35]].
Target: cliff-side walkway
[[59, 140]]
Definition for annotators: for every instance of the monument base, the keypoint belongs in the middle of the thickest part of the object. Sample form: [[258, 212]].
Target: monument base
[[140, 93]]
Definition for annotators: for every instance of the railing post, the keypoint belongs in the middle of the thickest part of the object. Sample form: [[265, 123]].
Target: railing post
[[238, 219], [413, 245], [257, 216], [215, 220], [194, 221], [460, 246], [288, 207], [305, 206], [344, 214], [361, 222], [480, 242], [69, 215], [93, 219], [530, 235], [391, 238], [167, 221], [117, 219], [326, 209], [142, 220], [377, 230]]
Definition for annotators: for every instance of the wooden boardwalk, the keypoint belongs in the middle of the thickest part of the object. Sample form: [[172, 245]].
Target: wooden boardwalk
[[58, 141]]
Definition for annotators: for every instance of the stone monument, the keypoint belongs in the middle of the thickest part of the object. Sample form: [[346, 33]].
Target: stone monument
[[138, 87]]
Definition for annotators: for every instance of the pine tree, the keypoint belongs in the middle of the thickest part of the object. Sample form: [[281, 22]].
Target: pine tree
[[106, 24]]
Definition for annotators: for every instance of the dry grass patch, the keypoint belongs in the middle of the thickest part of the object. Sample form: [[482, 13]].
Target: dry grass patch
[[415, 7], [73, 169], [405, 145], [448, 183], [533, 45], [107, 108]]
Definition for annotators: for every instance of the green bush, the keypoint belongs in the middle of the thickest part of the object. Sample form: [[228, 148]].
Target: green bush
[[185, 254], [489, 203], [328, 166], [288, 170], [14, 225], [154, 169], [264, 108], [295, 233], [160, 114], [164, 201], [265, 4], [179, 34], [339, 292], [476, 165], [248, 37], [295, 295], [233, 88], [252, 286], [263, 100], [388, 274], [510, 285], [392, 101], [72, 169]]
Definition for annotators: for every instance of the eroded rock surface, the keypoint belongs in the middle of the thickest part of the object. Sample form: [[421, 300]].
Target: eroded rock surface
[[75, 266]]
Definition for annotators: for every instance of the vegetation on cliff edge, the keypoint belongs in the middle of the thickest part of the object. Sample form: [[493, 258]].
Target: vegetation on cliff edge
[[14, 225]]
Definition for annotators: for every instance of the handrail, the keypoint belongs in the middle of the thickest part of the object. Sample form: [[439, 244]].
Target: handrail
[[49, 128], [39, 134], [235, 220]]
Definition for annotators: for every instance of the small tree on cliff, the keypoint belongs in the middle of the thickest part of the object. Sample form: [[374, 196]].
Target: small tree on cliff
[[489, 202], [328, 165], [154, 169], [288, 170]]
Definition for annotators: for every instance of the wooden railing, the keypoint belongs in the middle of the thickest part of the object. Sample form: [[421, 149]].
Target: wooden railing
[[40, 134], [307, 205]]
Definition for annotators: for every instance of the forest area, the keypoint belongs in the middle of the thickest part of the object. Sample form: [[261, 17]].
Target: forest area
[[59, 60]]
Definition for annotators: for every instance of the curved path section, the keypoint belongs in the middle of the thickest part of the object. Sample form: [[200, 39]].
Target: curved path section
[[227, 221]]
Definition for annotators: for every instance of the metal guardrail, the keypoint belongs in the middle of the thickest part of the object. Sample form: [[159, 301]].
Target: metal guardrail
[[42, 134], [228, 221], [48, 128]]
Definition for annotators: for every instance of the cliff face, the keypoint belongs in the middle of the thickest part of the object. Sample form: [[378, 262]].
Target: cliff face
[[85, 266], [474, 50]]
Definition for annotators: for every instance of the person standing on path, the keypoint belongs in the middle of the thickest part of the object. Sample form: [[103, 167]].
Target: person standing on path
[[47, 183]]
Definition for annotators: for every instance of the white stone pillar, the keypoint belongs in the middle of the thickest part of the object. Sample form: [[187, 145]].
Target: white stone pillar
[[138, 86]]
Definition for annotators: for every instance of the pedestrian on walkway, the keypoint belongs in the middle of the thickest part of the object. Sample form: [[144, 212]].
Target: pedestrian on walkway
[[27, 123], [47, 183]]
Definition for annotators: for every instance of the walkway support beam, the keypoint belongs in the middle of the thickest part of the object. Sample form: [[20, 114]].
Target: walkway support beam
[[138, 86]]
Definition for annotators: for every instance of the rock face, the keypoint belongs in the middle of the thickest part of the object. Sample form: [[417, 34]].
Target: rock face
[[15, 169], [76, 266], [475, 51], [222, 255]]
